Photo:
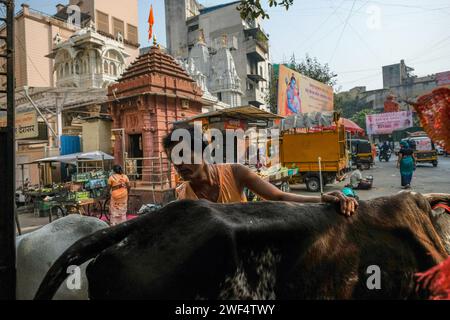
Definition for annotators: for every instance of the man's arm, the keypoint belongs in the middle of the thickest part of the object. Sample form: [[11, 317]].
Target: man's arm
[[247, 178]]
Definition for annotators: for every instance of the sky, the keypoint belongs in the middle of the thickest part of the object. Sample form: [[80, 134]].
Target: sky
[[355, 37]]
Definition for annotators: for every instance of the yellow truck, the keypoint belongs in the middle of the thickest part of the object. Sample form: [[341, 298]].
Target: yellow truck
[[303, 150]]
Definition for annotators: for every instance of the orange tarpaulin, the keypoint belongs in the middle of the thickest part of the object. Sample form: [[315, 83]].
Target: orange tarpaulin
[[433, 110]]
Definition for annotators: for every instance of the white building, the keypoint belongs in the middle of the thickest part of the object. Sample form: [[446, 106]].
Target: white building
[[216, 74], [230, 45], [88, 59]]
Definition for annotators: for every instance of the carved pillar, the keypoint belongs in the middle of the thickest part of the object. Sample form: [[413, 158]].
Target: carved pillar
[[147, 140], [119, 135]]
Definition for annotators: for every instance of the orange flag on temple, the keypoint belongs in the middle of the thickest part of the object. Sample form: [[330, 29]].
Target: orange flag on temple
[[151, 22]]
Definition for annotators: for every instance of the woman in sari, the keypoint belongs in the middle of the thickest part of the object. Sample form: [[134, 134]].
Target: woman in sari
[[406, 163], [119, 185]]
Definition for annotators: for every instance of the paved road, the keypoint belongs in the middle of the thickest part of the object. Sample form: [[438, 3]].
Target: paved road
[[387, 179]]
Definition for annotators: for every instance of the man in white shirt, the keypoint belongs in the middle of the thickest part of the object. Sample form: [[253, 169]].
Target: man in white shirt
[[358, 182]]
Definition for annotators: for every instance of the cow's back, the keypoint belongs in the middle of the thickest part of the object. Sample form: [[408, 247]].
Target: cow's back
[[38, 250]]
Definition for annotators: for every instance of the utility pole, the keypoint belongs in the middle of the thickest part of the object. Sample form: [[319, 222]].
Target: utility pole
[[7, 164]]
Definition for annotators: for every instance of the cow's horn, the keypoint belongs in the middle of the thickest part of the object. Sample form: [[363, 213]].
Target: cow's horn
[[437, 197]]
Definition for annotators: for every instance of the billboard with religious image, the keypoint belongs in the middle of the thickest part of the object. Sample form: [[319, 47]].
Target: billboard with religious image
[[300, 94]]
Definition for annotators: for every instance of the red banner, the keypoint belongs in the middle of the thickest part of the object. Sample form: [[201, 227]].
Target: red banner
[[434, 113]]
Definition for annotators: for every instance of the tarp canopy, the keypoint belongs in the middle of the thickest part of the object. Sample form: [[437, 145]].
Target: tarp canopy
[[352, 127], [72, 158], [243, 112], [310, 120]]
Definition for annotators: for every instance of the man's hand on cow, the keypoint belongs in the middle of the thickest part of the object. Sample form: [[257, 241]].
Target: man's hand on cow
[[348, 205]]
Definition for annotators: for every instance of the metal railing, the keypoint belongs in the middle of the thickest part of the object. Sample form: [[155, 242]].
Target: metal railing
[[155, 172]]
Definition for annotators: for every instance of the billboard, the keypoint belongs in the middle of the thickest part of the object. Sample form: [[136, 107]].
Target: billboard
[[443, 78], [300, 94], [386, 123], [26, 123]]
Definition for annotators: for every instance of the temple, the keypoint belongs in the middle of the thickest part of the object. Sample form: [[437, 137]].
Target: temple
[[152, 93], [215, 72]]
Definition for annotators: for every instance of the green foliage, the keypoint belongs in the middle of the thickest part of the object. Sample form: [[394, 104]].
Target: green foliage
[[348, 105], [272, 96], [252, 9], [313, 69], [360, 117]]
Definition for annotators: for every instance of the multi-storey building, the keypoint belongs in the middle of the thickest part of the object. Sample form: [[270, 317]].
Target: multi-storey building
[[35, 34], [398, 82], [187, 21]]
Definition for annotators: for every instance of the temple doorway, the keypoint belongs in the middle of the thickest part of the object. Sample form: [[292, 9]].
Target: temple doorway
[[136, 152]]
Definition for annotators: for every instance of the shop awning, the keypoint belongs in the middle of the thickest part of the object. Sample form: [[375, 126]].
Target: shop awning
[[73, 158], [244, 112], [352, 127]]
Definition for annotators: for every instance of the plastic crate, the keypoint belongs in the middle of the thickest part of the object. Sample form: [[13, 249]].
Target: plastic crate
[[45, 205], [83, 195]]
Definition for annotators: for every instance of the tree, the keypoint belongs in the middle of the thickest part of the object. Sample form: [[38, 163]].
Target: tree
[[252, 9], [309, 67], [360, 117], [348, 104]]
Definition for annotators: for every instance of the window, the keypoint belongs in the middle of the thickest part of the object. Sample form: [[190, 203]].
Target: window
[[102, 22], [77, 68], [118, 26], [193, 28], [106, 68], [113, 69], [132, 34], [219, 96]]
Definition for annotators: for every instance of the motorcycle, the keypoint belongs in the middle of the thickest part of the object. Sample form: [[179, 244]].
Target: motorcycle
[[385, 155]]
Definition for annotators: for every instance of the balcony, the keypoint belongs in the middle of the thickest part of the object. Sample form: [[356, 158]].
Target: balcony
[[255, 98], [256, 77], [255, 51]]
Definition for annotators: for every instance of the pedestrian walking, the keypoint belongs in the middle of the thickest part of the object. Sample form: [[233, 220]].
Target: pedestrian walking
[[407, 164]]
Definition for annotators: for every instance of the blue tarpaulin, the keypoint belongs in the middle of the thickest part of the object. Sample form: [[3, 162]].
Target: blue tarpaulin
[[70, 145]]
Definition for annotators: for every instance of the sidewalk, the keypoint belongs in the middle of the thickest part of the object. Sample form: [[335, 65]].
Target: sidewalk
[[29, 222]]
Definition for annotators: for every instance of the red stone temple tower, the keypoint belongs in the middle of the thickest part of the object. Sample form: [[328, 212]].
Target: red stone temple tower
[[153, 92]]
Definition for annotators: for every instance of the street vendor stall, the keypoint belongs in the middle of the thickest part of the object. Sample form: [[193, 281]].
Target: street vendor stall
[[85, 194]]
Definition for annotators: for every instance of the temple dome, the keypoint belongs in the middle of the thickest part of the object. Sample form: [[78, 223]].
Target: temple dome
[[156, 73], [155, 61]]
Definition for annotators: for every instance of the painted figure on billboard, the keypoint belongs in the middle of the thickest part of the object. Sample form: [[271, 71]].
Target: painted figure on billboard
[[293, 101], [299, 94]]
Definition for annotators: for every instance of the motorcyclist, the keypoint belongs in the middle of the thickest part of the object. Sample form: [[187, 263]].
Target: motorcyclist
[[385, 147], [384, 150]]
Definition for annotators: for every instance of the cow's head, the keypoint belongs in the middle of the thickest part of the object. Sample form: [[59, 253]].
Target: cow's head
[[440, 216]]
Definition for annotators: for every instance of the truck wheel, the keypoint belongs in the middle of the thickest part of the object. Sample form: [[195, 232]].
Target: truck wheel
[[435, 163], [313, 184]]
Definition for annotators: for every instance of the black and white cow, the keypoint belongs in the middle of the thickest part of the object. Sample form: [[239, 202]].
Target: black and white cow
[[265, 250]]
